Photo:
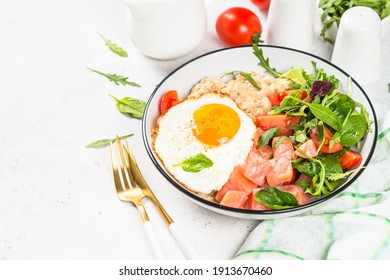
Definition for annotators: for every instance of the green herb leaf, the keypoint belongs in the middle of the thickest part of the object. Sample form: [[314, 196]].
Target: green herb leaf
[[275, 198], [247, 76], [130, 106], [258, 52], [114, 47], [341, 105], [304, 184], [118, 80], [267, 136], [105, 142], [339, 176], [195, 163], [297, 76], [354, 130]]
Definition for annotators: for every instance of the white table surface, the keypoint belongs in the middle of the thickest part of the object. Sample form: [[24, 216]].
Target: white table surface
[[57, 198]]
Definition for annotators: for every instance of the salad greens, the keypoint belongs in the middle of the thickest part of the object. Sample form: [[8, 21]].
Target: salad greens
[[117, 79], [275, 198], [130, 106], [105, 142], [195, 163], [114, 47], [334, 9], [334, 118]]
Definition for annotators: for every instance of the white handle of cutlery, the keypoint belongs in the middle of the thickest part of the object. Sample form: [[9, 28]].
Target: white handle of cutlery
[[183, 243], [153, 241]]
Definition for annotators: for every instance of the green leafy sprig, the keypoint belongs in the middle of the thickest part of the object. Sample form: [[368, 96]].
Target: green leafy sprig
[[105, 142], [130, 106], [195, 163], [114, 47], [116, 79]]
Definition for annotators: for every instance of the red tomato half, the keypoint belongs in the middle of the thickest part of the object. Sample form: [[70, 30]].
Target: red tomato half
[[350, 159], [262, 4], [169, 99], [236, 26]]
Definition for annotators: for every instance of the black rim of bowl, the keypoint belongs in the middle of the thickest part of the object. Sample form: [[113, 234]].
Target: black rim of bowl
[[265, 213]]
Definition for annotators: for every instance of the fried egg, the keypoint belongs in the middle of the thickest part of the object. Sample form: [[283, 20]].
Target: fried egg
[[212, 125]]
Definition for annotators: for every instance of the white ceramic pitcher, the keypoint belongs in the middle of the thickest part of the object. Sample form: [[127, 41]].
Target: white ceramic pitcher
[[167, 29]]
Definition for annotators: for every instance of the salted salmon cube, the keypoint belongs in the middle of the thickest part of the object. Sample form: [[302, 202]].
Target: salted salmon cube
[[237, 181], [256, 167], [285, 148], [298, 192], [283, 122], [308, 148], [280, 172], [221, 193], [234, 199]]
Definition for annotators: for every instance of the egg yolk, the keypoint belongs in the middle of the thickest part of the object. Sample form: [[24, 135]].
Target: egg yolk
[[216, 124]]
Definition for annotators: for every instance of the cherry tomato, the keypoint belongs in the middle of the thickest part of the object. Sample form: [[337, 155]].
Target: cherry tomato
[[262, 4], [236, 26], [350, 159], [326, 149], [169, 99]]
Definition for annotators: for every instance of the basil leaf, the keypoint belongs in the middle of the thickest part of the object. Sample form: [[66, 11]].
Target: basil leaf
[[275, 198], [267, 136], [354, 130], [195, 163], [130, 106], [114, 47], [105, 142]]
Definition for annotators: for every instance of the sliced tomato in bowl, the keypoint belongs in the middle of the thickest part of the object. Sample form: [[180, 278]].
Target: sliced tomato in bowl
[[168, 100]]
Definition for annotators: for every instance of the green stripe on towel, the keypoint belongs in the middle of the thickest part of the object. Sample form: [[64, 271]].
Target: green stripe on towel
[[279, 252]]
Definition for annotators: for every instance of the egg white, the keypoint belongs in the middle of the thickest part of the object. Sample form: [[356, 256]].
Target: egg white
[[175, 142]]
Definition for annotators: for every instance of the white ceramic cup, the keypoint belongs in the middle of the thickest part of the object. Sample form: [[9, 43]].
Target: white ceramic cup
[[167, 29], [357, 48], [290, 23]]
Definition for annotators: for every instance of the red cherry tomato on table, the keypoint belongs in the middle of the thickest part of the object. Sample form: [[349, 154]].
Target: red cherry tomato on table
[[262, 4], [236, 26], [169, 99]]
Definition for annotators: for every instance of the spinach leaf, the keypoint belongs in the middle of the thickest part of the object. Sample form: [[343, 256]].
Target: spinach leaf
[[331, 164], [307, 167], [130, 106], [341, 105], [267, 136], [354, 130], [195, 163], [275, 198], [105, 142], [304, 184]]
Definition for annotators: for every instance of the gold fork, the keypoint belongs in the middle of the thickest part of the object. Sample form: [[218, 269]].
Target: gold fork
[[129, 191], [187, 249]]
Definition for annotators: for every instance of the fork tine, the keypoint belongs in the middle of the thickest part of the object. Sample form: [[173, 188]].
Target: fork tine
[[117, 179], [126, 175]]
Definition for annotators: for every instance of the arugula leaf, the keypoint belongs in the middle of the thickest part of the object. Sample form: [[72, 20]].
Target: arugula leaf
[[267, 136], [258, 52], [130, 106], [304, 184], [247, 76], [280, 141], [195, 163], [105, 142], [114, 47], [275, 198], [340, 175], [117, 79]]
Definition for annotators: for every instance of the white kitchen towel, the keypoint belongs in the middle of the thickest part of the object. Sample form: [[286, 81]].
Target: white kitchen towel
[[355, 225]]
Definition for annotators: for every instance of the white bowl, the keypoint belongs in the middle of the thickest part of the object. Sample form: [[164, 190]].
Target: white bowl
[[241, 58]]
